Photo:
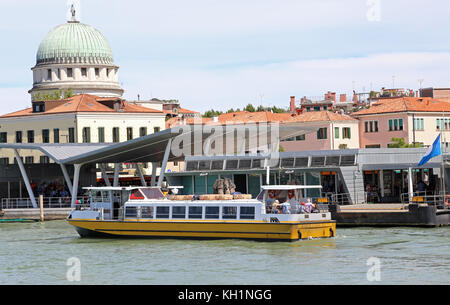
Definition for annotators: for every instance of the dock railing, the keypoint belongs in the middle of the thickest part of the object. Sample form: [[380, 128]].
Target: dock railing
[[49, 203], [425, 198]]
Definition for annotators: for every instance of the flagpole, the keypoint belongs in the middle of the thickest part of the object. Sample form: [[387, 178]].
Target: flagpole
[[442, 160]]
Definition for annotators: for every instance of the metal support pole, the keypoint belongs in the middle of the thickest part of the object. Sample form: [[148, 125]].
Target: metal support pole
[[154, 169], [67, 177], [25, 179], [141, 175], [76, 178], [164, 163], [104, 175], [410, 185], [116, 174]]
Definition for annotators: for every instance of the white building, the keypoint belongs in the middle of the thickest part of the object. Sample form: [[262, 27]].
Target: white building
[[75, 58]]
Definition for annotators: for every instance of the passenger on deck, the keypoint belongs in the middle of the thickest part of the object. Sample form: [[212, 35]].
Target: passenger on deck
[[286, 207], [308, 206]]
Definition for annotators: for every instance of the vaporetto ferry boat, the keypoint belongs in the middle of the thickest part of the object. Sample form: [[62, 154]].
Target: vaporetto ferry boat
[[151, 213]]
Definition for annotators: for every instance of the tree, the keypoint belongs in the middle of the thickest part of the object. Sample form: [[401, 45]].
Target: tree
[[400, 143]]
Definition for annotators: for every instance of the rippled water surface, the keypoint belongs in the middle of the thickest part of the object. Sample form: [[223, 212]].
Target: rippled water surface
[[37, 254]]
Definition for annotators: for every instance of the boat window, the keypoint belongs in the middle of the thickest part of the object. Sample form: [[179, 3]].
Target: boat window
[[162, 212], [130, 212], [146, 212], [152, 193], [179, 212], [195, 212], [229, 213], [247, 212], [212, 213]]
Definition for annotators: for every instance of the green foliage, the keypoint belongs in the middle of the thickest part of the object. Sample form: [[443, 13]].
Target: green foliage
[[51, 96], [250, 108], [68, 93], [400, 143]]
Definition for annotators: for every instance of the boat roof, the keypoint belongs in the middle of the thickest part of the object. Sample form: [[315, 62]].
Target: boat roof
[[126, 188], [289, 187]]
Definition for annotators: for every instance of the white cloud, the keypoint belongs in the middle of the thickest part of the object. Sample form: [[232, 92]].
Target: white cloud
[[204, 89]]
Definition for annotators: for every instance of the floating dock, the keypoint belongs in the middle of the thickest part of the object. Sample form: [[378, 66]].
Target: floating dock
[[14, 215], [389, 215]]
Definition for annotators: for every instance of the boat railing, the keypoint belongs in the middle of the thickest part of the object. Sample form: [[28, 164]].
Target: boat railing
[[48, 202], [425, 198]]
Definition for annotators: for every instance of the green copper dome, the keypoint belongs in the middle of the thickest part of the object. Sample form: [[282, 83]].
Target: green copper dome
[[74, 42]]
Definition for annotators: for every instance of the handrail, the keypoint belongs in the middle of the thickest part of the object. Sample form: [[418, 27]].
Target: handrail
[[49, 202]]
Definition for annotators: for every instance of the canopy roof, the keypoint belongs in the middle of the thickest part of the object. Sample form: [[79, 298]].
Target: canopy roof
[[185, 141]]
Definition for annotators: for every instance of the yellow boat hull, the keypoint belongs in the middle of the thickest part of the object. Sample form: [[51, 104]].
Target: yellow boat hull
[[256, 230]]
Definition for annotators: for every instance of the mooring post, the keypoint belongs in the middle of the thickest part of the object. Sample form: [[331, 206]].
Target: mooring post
[[41, 207]]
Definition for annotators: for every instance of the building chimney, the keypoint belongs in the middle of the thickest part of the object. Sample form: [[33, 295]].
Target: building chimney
[[293, 104], [343, 98], [303, 100], [333, 96]]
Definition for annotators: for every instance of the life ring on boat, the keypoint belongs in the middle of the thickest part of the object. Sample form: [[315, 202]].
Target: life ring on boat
[[291, 194], [272, 194]]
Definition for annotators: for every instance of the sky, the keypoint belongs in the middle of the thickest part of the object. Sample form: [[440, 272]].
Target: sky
[[212, 54]]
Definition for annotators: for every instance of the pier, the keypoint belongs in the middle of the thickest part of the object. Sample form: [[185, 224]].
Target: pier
[[390, 215]]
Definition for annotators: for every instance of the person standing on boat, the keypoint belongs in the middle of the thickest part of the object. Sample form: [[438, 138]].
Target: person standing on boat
[[286, 208], [308, 206]]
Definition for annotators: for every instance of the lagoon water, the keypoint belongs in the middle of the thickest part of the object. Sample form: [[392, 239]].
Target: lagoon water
[[37, 253]]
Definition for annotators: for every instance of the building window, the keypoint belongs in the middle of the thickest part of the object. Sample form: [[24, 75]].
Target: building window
[[30, 135], [316, 108], [101, 135], [346, 133], [300, 138], [44, 160], [115, 134], [3, 137], [156, 129], [418, 124], [395, 124], [69, 72], [71, 135], [18, 136], [142, 131], [442, 124], [84, 72], [29, 160], [97, 72], [49, 74], [373, 146], [322, 134], [4, 161], [336, 132], [45, 136], [371, 126], [86, 135], [56, 135], [129, 133]]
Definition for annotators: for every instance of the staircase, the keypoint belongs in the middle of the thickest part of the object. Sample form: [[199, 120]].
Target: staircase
[[353, 184]]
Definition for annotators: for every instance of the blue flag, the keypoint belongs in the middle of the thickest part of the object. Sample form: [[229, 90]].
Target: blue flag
[[433, 151]]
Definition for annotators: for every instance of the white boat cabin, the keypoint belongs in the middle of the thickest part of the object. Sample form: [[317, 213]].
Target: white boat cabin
[[274, 204]]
